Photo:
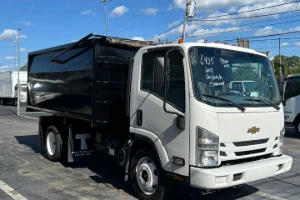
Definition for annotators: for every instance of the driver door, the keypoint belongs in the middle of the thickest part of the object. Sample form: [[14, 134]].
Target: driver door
[[152, 118]]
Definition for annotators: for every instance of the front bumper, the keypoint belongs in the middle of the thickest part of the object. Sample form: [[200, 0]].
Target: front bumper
[[228, 176]]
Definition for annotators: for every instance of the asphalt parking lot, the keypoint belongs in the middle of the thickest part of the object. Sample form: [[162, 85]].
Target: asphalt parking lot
[[26, 174]]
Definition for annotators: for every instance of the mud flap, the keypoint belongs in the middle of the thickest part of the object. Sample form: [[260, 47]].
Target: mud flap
[[80, 146]]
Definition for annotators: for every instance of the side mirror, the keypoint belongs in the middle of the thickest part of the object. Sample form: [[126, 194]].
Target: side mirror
[[180, 120]]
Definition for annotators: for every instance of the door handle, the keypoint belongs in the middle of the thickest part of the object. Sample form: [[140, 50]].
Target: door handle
[[139, 117]]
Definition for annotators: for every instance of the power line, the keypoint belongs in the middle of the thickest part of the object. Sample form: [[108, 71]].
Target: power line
[[134, 17], [272, 35], [276, 39], [170, 29], [239, 18], [271, 20], [142, 21], [278, 47], [256, 16], [259, 23], [236, 13], [243, 29]]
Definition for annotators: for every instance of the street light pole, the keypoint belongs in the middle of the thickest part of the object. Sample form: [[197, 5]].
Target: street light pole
[[105, 13], [18, 100], [15, 52]]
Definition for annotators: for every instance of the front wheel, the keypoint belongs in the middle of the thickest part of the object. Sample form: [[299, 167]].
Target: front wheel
[[297, 126], [147, 175]]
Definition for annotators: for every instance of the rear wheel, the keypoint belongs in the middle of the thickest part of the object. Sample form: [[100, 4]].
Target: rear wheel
[[147, 176], [53, 144], [2, 102]]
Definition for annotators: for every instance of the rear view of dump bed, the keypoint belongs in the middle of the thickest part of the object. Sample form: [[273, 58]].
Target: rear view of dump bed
[[86, 79]]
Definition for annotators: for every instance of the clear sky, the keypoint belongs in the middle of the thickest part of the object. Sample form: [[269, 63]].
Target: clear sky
[[46, 23]]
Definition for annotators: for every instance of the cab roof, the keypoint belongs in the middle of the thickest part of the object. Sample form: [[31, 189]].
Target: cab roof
[[187, 45]]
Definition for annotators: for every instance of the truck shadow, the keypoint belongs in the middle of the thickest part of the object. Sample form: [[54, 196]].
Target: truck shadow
[[30, 141], [112, 176], [109, 174]]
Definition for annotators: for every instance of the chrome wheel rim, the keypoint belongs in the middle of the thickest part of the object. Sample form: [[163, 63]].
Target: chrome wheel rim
[[147, 175], [51, 143]]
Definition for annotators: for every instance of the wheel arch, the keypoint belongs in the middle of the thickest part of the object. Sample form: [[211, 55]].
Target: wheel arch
[[138, 141], [297, 118]]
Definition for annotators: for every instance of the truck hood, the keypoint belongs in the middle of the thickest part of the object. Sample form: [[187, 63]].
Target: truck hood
[[236, 127]]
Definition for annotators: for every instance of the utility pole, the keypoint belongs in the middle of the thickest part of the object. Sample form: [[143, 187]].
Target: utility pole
[[190, 10], [281, 74], [105, 13], [280, 54], [18, 100], [185, 18]]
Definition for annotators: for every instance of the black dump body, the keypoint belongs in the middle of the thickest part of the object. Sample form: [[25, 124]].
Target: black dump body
[[85, 80]]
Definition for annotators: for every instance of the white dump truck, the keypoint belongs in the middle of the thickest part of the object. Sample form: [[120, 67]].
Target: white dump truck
[[9, 87], [160, 110]]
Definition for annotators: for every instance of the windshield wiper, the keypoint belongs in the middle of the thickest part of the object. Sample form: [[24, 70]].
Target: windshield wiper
[[264, 100], [226, 100]]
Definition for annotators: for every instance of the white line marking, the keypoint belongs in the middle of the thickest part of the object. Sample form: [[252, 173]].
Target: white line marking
[[28, 117], [11, 192], [262, 194]]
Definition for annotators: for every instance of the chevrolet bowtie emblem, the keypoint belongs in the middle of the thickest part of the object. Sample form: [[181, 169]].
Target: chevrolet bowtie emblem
[[253, 130]]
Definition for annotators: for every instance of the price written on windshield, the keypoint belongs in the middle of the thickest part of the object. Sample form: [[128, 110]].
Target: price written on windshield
[[206, 60]]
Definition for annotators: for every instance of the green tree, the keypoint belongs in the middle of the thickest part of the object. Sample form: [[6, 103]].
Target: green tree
[[245, 73], [164, 41], [24, 67], [290, 65]]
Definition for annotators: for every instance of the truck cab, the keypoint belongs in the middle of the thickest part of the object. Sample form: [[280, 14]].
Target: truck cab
[[292, 101], [200, 129]]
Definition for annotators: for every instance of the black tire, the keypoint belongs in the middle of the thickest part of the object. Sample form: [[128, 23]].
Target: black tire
[[2, 102], [297, 126], [159, 193], [57, 153]]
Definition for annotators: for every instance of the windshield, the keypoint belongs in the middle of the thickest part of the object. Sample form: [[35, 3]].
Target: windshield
[[237, 76], [249, 86]]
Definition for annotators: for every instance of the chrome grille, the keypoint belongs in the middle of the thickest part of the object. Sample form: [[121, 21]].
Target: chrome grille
[[249, 143], [244, 153], [245, 160]]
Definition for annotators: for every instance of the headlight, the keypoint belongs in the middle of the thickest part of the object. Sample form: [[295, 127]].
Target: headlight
[[281, 137], [207, 140], [280, 144], [207, 148]]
